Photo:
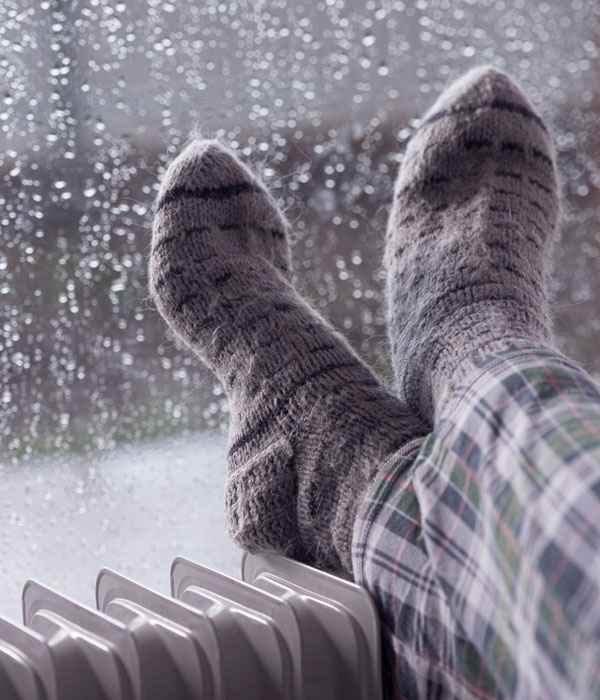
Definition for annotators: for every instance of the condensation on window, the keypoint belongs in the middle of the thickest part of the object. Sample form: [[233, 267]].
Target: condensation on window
[[99, 404]]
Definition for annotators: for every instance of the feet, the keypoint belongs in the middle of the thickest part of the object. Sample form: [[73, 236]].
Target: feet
[[310, 424], [469, 238]]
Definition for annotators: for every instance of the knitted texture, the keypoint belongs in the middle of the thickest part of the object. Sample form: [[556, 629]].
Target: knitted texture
[[310, 425], [469, 237]]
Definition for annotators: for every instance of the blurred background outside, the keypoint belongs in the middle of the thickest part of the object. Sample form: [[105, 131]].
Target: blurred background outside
[[111, 434]]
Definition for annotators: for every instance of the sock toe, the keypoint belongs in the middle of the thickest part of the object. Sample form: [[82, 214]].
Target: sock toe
[[206, 164], [481, 86], [483, 112], [210, 204]]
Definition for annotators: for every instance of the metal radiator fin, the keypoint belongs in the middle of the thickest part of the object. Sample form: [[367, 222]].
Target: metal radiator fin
[[285, 632]]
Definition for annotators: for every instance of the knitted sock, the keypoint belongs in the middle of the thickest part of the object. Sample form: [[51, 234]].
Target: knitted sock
[[309, 423], [469, 237]]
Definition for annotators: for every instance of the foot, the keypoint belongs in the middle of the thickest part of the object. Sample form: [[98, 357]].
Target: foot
[[310, 424], [469, 237]]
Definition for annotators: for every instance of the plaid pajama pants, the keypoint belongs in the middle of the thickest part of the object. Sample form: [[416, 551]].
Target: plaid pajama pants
[[481, 543]]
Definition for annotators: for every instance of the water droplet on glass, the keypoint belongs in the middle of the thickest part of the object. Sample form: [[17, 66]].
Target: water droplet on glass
[[98, 97]]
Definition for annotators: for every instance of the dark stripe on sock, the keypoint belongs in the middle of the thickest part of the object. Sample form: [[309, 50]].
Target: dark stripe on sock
[[537, 205], [477, 143], [402, 192], [276, 233], [219, 193], [323, 348], [513, 271], [501, 105], [234, 304], [508, 173], [498, 244], [169, 275], [501, 245], [542, 187], [506, 106], [406, 220], [162, 242], [499, 190], [224, 278], [266, 422], [186, 232], [373, 399], [512, 146], [542, 156], [369, 382], [435, 180], [204, 258], [470, 285], [194, 230], [428, 231]]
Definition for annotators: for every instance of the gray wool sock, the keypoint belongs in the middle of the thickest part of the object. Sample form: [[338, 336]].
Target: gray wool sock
[[310, 424], [469, 237]]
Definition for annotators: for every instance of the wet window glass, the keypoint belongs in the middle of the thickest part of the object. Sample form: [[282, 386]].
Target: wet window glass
[[111, 434]]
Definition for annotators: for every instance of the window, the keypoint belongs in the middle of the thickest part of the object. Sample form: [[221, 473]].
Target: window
[[112, 447]]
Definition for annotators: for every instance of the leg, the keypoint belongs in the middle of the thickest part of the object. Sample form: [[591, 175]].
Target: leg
[[509, 491], [469, 237], [426, 652], [482, 551], [310, 423], [503, 497]]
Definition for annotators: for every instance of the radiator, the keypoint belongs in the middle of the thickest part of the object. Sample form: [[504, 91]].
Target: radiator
[[286, 631]]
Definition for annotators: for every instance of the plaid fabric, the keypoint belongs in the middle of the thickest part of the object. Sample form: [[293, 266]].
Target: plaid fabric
[[481, 546]]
